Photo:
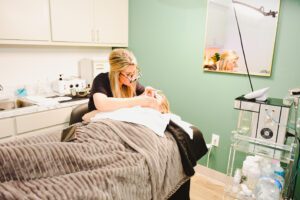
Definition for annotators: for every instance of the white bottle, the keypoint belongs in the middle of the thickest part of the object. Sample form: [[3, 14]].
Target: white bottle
[[61, 86], [253, 175], [277, 168], [251, 170], [279, 180], [267, 189], [267, 170], [247, 165], [236, 181]]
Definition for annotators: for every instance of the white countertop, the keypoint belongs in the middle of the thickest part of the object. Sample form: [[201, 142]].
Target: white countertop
[[36, 108]]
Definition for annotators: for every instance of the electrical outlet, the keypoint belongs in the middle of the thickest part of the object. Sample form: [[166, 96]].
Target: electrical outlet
[[215, 140]]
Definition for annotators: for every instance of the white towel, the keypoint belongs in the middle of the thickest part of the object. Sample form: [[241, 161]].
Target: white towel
[[148, 117]]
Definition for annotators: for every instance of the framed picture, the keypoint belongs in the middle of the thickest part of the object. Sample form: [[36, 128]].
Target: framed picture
[[240, 35]]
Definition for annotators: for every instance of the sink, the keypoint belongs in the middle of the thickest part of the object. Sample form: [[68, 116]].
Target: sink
[[13, 104]]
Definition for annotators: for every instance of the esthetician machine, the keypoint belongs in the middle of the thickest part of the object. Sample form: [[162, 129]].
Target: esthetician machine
[[265, 120], [68, 86], [264, 123]]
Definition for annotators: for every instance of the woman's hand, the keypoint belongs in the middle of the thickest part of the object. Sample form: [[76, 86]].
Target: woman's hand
[[149, 91], [148, 101], [87, 117]]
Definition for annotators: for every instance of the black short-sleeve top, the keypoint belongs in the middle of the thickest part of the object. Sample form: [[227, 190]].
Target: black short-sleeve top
[[101, 84]]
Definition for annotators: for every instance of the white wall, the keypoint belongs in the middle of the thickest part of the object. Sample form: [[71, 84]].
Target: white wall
[[27, 66]]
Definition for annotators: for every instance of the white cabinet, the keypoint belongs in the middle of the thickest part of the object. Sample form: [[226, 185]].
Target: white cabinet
[[19, 123], [64, 22], [72, 20], [100, 22], [7, 127], [24, 20], [36, 121], [111, 22]]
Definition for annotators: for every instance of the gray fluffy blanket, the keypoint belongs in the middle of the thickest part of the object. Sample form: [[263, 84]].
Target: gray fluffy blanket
[[109, 160]]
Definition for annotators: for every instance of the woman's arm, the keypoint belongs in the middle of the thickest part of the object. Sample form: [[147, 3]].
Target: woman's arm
[[106, 104]]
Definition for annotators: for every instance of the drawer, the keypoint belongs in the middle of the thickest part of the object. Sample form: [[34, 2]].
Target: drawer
[[249, 106], [7, 127], [41, 120], [53, 130]]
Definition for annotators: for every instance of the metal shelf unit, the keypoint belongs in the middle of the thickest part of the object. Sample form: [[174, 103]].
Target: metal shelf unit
[[285, 153]]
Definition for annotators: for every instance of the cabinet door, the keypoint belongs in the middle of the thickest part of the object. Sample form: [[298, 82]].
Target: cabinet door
[[111, 22], [7, 127], [24, 20], [72, 20]]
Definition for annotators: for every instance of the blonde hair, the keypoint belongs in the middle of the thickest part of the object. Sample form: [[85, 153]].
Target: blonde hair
[[225, 58], [119, 60], [164, 104]]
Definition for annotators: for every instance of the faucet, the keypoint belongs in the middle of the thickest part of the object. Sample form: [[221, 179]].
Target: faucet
[[1, 87]]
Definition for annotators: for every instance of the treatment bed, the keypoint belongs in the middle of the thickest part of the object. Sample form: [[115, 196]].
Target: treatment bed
[[102, 160]]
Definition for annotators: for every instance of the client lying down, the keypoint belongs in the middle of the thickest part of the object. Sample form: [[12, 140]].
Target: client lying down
[[160, 122], [153, 119], [109, 159]]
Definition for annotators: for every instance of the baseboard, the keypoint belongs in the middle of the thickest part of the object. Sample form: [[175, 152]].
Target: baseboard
[[211, 174]]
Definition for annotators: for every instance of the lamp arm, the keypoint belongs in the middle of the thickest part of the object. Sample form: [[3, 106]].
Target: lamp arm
[[261, 9], [242, 45]]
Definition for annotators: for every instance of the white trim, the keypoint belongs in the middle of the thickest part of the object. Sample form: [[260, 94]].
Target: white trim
[[50, 43]]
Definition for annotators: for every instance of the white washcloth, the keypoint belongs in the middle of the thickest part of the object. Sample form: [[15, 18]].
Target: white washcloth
[[148, 117], [144, 116], [42, 101]]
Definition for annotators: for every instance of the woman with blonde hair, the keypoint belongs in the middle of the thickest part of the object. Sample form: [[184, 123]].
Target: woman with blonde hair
[[119, 87]]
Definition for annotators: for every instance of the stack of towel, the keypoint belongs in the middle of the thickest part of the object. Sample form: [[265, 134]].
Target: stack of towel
[[42, 101]]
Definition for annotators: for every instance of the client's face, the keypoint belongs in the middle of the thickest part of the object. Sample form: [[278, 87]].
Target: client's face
[[162, 102]]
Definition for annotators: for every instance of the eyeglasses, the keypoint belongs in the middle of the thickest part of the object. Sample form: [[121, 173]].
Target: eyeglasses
[[133, 77]]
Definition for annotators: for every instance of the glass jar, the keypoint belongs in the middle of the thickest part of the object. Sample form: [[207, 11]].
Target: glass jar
[[244, 123]]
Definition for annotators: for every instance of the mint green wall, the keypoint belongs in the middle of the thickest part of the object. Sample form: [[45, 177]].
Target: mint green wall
[[167, 37]]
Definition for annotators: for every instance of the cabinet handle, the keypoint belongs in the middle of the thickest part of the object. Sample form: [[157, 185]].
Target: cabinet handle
[[93, 35], [97, 35]]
